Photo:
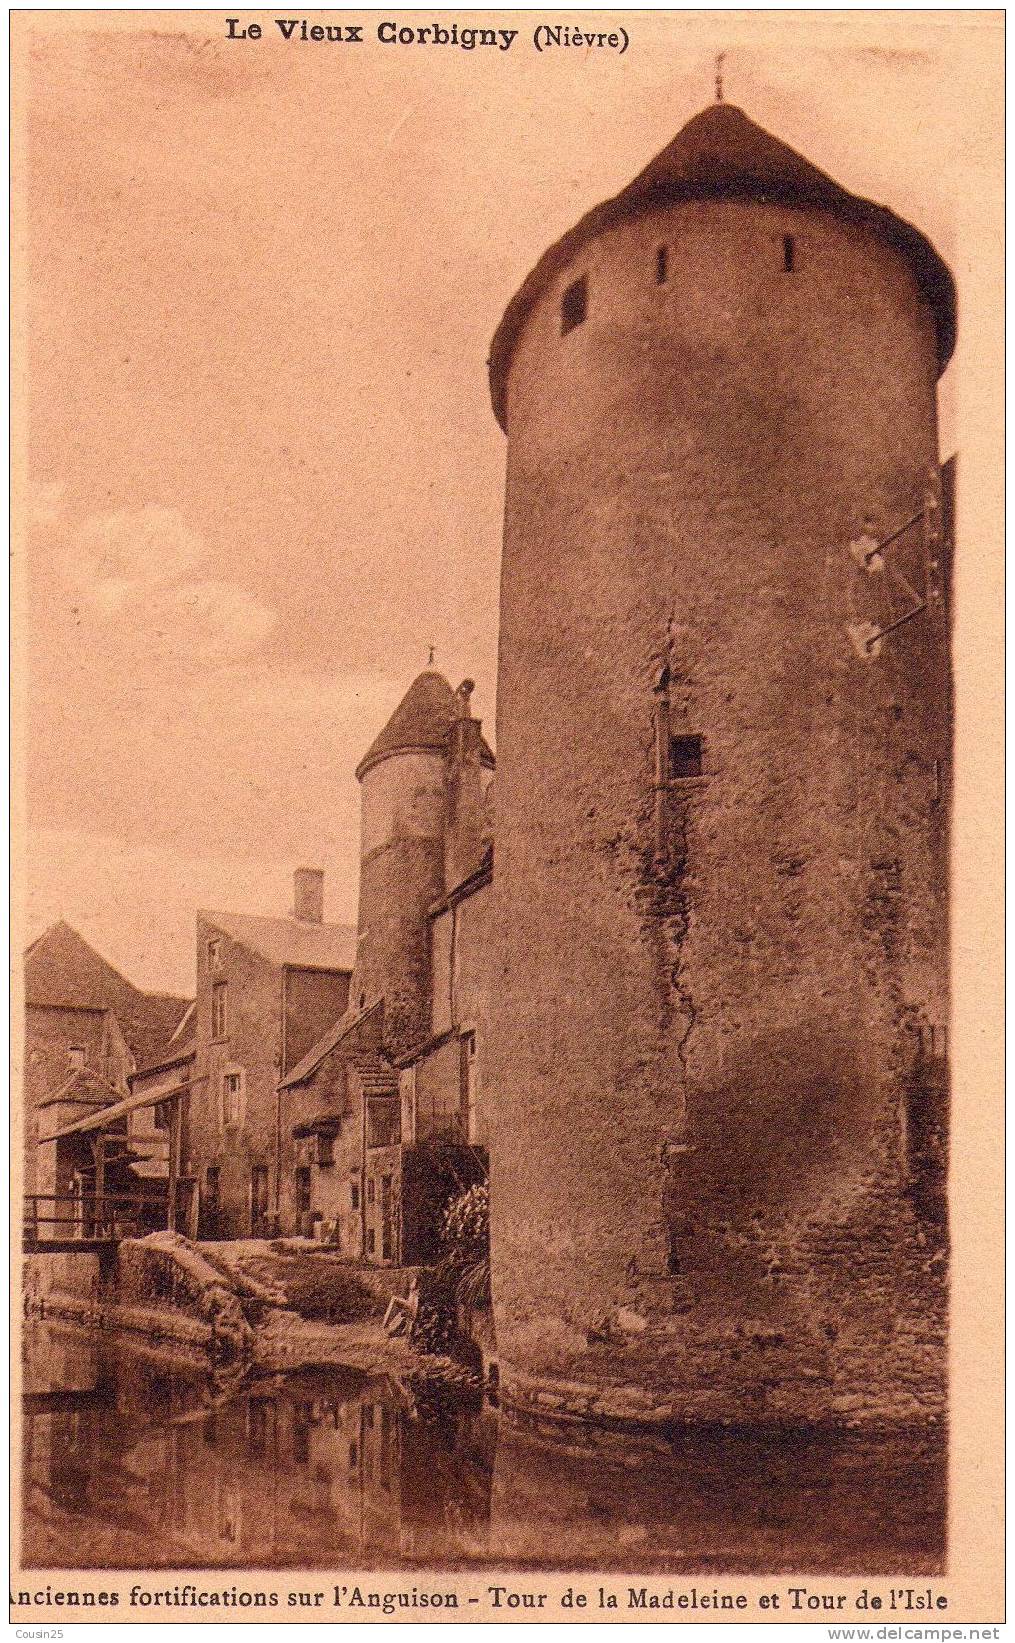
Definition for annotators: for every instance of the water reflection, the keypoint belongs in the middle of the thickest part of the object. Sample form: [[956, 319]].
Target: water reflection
[[132, 1464]]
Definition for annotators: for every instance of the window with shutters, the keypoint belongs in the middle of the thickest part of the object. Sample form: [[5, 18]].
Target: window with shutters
[[232, 1096], [219, 1010]]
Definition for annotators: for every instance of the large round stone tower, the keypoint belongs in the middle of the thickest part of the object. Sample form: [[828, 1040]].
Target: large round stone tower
[[723, 765]]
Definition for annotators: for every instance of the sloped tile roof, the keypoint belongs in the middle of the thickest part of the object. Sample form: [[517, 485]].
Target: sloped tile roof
[[722, 154], [63, 970], [326, 1043], [290, 940]]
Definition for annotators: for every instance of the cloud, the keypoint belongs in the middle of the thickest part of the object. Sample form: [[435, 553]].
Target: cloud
[[158, 714], [144, 574], [218, 619], [92, 880], [147, 547]]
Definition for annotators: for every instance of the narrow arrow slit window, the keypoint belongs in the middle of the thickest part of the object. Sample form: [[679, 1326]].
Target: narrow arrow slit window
[[574, 306]]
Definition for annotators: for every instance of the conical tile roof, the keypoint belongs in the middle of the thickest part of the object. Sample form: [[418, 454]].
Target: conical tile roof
[[420, 723], [721, 154]]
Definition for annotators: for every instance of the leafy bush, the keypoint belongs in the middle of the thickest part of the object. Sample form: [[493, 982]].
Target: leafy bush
[[467, 1220], [333, 1297], [467, 1246], [318, 1288]]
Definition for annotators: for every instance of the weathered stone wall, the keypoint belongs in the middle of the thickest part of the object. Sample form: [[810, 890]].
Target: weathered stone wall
[[160, 1288], [49, 1031], [252, 1042], [465, 970], [314, 1000], [333, 1088], [711, 994], [401, 876]]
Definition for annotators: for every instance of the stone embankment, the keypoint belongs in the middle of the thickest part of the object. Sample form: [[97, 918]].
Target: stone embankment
[[269, 1308]]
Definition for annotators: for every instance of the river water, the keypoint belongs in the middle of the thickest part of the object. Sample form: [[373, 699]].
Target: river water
[[130, 1463]]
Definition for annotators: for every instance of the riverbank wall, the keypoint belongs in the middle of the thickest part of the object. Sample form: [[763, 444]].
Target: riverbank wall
[[207, 1304], [160, 1289]]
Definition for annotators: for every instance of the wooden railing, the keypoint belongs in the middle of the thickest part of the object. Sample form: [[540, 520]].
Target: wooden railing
[[67, 1217]]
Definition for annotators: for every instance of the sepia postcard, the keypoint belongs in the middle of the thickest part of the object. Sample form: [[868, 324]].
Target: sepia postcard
[[506, 953]]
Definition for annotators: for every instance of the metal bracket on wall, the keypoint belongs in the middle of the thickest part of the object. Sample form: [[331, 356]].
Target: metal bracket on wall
[[869, 553]]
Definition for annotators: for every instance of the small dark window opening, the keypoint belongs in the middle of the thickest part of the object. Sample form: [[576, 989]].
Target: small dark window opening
[[788, 252], [574, 305], [661, 269], [325, 1151], [685, 757], [354, 1194]]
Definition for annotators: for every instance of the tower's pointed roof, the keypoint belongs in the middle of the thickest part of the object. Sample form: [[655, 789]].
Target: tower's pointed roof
[[419, 724], [721, 154]]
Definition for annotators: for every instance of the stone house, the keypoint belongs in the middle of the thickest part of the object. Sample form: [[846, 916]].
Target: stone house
[[87, 1028], [267, 988]]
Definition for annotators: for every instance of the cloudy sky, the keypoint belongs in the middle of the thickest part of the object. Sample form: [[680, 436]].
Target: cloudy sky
[[262, 472]]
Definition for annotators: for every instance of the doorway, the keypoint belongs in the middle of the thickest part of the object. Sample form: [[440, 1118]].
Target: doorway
[[259, 1201], [184, 1217], [387, 1220], [303, 1200], [211, 1202]]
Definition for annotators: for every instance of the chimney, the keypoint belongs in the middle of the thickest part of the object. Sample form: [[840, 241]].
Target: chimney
[[464, 846], [308, 895]]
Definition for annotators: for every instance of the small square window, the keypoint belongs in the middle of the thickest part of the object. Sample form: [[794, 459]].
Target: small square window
[[574, 305], [215, 953], [685, 757]]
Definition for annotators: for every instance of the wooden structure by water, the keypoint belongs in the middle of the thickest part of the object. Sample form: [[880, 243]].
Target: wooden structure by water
[[81, 1223]]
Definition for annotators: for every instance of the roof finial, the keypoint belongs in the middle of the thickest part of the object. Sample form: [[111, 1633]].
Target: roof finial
[[720, 60], [430, 658]]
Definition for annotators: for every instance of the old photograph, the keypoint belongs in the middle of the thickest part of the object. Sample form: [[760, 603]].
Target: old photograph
[[492, 499]]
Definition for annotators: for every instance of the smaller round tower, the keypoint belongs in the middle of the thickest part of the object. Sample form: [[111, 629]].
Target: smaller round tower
[[404, 781]]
